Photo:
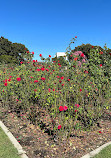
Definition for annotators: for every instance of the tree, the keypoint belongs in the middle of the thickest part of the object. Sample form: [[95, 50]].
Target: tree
[[105, 57], [85, 48], [7, 59], [15, 51]]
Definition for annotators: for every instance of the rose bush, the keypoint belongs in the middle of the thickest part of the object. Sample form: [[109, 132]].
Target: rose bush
[[76, 94]]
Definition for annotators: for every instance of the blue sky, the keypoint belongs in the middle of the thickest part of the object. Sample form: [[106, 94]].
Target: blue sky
[[47, 26]]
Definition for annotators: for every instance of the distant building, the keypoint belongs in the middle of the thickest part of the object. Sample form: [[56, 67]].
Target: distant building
[[58, 54]]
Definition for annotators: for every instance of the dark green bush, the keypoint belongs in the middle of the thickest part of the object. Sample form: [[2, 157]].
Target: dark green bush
[[13, 52], [7, 59]]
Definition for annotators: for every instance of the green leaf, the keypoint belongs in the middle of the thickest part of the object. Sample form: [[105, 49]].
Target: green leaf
[[66, 118], [52, 113]]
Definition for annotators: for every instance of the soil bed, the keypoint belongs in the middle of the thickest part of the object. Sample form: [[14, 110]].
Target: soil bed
[[38, 144]]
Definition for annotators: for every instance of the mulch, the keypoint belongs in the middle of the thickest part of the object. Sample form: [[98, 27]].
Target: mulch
[[38, 144]]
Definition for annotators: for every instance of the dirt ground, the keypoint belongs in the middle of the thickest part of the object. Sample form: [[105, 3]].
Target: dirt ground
[[38, 144]]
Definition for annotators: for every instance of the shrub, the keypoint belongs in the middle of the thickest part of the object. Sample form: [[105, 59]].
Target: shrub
[[7, 59]]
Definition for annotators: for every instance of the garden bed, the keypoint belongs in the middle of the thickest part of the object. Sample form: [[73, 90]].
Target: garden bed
[[57, 102], [38, 144]]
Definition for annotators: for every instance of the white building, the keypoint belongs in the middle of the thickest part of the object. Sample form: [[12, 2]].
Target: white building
[[61, 54], [58, 54]]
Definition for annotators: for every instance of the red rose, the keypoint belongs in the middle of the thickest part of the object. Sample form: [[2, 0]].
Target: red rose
[[40, 55], [75, 36], [18, 79], [82, 55], [100, 52], [42, 69], [61, 108], [59, 127], [9, 80], [42, 78], [77, 105], [85, 71], [75, 59], [49, 55], [36, 81], [5, 84], [100, 65], [62, 78], [38, 69]]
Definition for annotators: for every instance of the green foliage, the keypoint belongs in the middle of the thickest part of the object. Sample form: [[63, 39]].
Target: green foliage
[[85, 48], [61, 59], [104, 59], [16, 52], [86, 51], [96, 59], [96, 90], [8, 59]]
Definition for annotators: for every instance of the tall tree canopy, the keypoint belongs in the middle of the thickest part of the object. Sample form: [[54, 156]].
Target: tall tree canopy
[[13, 52], [105, 57], [85, 48]]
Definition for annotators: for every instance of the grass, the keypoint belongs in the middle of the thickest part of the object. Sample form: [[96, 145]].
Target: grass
[[7, 149], [105, 153]]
